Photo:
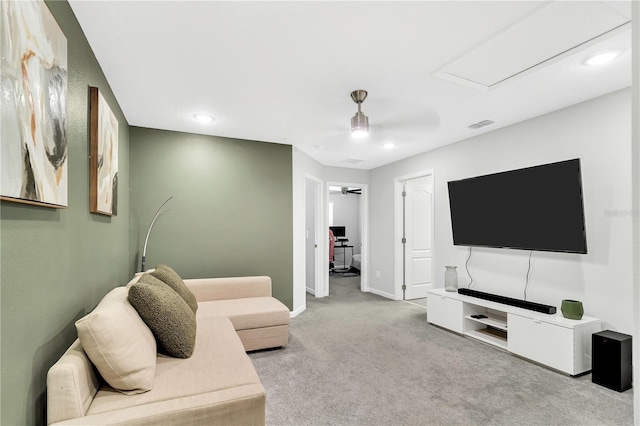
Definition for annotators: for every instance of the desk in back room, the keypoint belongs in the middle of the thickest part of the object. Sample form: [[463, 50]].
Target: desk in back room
[[344, 253]]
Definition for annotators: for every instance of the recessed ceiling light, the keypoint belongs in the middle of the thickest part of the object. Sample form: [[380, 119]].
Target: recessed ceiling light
[[204, 118], [601, 58], [389, 145]]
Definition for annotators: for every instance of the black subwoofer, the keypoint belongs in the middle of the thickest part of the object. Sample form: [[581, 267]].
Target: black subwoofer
[[611, 360]]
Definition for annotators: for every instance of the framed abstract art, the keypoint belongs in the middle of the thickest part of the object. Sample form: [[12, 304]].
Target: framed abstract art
[[33, 74], [103, 164]]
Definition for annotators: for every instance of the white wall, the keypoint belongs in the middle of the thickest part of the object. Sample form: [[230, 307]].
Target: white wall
[[312, 192], [599, 133], [303, 166], [343, 175]]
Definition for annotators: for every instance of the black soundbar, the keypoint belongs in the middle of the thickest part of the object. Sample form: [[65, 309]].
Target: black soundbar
[[532, 306]]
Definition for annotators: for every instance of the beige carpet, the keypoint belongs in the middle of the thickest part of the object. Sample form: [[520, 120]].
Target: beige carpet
[[358, 359]]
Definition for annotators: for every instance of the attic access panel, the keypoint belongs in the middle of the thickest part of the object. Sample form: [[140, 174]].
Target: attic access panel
[[534, 41]]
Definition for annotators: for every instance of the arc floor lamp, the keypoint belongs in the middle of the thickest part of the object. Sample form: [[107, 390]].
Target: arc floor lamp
[[146, 240]]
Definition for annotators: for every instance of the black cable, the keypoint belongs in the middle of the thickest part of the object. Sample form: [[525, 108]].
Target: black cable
[[526, 284], [466, 265]]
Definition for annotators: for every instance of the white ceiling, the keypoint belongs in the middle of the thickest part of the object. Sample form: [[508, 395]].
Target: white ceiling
[[283, 71]]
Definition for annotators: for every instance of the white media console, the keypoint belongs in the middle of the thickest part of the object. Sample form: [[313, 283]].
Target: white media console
[[550, 340]]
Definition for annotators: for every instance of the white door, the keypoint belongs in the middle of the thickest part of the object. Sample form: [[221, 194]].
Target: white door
[[311, 245], [419, 237]]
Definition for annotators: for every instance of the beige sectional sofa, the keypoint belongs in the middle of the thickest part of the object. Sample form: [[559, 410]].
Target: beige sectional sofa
[[217, 384]]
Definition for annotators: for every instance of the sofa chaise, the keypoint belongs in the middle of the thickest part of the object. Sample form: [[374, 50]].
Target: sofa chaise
[[216, 384]]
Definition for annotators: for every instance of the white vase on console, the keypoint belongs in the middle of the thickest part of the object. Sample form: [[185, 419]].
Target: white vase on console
[[451, 278]]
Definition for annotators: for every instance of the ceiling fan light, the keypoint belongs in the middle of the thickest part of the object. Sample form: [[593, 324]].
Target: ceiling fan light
[[359, 134], [359, 122], [359, 125]]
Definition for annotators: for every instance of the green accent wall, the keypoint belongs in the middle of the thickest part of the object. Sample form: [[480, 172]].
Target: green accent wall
[[232, 210], [231, 215], [56, 264]]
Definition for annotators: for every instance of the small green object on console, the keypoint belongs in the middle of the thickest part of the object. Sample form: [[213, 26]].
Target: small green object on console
[[572, 309]]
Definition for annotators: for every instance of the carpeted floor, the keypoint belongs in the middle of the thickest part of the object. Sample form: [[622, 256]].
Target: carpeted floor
[[344, 274], [358, 359]]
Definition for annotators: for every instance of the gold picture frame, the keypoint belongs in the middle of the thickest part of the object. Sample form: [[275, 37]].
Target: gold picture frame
[[103, 161], [33, 157]]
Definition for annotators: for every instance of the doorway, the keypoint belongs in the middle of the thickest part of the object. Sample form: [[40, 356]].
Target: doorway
[[414, 236], [347, 218], [314, 235]]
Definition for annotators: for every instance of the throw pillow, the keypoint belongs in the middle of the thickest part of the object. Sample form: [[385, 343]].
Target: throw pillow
[[148, 279], [119, 343], [173, 280], [168, 316]]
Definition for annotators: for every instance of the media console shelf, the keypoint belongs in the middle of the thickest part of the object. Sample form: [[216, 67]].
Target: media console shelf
[[550, 340]]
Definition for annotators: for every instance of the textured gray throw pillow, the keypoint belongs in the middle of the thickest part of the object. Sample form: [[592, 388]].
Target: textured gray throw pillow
[[171, 278], [168, 316]]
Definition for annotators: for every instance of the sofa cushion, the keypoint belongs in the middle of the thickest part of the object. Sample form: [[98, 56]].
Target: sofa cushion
[[252, 312], [119, 344], [173, 280], [218, 364], [168, 316]]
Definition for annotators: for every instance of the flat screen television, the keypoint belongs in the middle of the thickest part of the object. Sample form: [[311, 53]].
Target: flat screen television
[[536, 208], [338, 231]]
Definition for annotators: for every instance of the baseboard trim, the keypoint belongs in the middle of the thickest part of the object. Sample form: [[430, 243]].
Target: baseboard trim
[[298, 311], [311, 291], [382, 293]]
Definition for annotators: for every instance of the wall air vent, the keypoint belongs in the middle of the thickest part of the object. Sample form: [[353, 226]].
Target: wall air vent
[[480, 124]]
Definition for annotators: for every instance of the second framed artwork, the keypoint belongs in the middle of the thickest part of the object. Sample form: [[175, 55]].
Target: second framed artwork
[[103, 162]]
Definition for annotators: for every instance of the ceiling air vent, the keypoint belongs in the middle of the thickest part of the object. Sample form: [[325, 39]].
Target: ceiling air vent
[[481, 124]]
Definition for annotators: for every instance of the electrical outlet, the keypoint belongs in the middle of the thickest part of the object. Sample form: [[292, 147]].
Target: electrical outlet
[[378, 275]]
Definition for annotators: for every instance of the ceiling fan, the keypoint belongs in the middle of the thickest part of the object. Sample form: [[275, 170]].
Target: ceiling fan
[[347, 190], [344, 190], [359, 122], [392, 119]]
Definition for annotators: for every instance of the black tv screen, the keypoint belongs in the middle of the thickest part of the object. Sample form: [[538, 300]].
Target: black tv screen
[[536, 208]]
